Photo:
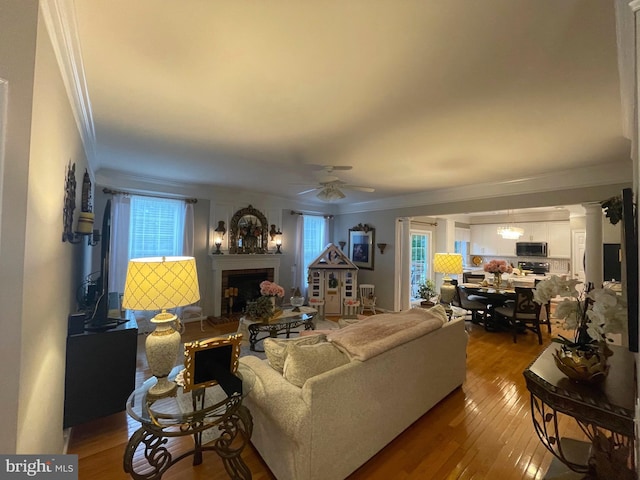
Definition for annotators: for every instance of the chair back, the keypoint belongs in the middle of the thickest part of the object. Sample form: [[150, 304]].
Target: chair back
[[469, 277], [367, 292], [524, 307]]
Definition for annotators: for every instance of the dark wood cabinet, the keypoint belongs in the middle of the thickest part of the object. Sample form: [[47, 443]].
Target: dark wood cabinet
[[100, 373]]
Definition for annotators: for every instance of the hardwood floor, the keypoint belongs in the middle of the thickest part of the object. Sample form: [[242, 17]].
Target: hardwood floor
[[482, 430]]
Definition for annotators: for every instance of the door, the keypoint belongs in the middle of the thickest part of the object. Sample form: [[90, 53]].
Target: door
[[332, 303], [420, 260], [578, 242]]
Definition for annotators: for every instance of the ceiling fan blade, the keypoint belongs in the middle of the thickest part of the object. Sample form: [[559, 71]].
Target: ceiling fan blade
[[309, 190], [331, 168], [358, 188]]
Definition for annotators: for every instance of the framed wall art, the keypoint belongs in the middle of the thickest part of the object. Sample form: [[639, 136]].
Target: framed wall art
[[361, 243]]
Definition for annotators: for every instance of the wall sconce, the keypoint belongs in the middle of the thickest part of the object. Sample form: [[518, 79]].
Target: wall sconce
[[381, 246], [220, 231], [278, 241], [85, 219], [342, 244]]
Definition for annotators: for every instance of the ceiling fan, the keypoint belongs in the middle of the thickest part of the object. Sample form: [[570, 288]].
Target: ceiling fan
[[329, 187]]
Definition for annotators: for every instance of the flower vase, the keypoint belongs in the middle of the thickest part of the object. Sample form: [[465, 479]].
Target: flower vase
[[497, 279], [583, 363]]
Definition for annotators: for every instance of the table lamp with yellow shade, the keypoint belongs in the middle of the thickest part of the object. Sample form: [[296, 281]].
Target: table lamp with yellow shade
[[161, 283], [447, 263]]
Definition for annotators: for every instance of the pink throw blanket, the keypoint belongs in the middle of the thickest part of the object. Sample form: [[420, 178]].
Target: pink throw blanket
[[379, 333]]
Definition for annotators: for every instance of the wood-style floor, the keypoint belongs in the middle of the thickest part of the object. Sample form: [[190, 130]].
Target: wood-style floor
[[482, 430]]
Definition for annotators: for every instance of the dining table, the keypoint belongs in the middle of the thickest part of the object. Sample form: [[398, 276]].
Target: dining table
[[493, 297]]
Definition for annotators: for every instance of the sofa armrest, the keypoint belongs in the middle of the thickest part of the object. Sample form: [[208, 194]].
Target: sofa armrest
[[276, 397]]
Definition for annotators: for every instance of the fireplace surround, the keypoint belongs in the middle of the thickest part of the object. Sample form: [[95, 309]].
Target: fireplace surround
[[225, 266]]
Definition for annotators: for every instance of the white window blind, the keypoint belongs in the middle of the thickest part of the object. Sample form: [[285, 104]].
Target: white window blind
[[157, 226]]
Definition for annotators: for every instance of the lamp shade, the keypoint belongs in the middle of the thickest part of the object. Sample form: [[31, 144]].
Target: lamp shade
[[159, 283], [447, 263]]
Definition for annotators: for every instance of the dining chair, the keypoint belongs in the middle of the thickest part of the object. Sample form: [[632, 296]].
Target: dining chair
[[547, 310], [523, 313], [475, 306], [469, 277]]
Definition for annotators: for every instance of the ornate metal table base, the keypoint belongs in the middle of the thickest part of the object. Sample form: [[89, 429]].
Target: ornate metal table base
[[274, 329], [605, 413], [235, 427]]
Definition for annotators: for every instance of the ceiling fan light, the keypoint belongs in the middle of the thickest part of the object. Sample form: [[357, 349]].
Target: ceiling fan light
[[330, 194], [511, 233]]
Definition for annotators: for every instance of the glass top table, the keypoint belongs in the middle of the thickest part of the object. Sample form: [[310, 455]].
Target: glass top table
[[179, 414], [281, 325]]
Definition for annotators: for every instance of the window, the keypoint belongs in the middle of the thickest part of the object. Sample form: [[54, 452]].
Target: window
[[420, 264], [314, 239], [156, 228]]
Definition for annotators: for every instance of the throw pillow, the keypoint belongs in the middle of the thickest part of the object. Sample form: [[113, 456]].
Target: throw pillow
[[276, 348], [306, 361]]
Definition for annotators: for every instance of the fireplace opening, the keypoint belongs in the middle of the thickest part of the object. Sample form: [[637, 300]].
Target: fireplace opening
[[247, 285]]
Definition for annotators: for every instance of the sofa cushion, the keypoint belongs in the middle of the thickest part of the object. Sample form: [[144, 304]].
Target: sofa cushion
[[306, 361], [276, 348]]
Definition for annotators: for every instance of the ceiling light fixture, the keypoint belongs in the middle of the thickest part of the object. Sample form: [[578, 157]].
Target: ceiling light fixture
[[510, 232], [330, 194]]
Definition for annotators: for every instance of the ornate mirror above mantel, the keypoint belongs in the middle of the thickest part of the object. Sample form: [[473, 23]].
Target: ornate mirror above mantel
[[249, 232]]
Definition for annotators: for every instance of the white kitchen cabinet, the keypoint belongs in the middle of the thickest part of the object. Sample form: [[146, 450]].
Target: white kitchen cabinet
[[486, 241], [483, 241], [534, 232], [559, 240]]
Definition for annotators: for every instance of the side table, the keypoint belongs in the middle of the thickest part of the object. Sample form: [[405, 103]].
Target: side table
[[178, 414], [604, 412]]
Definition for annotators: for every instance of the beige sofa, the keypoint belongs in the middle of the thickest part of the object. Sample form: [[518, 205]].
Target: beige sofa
[[341, 418]]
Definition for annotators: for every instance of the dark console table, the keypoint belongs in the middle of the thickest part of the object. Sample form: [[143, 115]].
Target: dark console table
[[604, 412], [100, 373]]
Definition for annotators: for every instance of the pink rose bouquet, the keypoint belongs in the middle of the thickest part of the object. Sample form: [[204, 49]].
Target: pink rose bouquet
[[271, 289], [498, 266]]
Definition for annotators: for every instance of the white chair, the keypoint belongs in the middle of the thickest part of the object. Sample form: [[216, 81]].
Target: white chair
[[367, 297], [193, 312]]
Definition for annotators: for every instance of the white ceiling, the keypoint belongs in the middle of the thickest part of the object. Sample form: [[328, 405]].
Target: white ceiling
[[415, 95]]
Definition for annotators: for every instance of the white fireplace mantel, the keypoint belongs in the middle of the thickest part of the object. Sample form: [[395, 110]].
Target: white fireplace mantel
[[221, 263]]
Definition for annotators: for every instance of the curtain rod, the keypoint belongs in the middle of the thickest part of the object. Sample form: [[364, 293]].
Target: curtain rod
[[294, 212], [417, 222], [110, 191]]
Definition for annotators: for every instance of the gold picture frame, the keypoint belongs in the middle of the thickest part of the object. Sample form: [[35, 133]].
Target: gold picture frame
[[202, 357]]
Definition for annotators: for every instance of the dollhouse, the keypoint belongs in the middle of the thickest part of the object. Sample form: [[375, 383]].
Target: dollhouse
[[333, 281]]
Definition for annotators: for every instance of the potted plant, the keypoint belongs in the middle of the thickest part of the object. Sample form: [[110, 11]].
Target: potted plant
[[427, 291]]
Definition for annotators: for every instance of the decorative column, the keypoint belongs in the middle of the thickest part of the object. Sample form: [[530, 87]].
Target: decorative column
[[405, 271], [593, 245]]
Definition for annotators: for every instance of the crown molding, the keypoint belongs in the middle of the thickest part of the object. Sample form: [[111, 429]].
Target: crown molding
[[583, 177], [60, 20]]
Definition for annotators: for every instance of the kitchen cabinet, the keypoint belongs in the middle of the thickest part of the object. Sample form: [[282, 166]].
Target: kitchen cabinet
[[486, 241], [559, 240]]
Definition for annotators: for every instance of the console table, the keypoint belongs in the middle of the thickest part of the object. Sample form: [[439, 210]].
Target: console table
[[604, 412]]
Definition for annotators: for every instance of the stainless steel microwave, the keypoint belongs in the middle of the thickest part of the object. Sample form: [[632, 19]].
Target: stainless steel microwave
[[531, 249]]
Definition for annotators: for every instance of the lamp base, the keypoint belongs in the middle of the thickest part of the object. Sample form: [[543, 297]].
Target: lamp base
[[447, 291], [162, 347]]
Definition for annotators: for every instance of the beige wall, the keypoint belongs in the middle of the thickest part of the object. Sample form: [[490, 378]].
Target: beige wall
[[17, 56], [38, 270]]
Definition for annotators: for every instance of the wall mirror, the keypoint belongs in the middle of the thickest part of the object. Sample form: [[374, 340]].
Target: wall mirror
[[249, 231]]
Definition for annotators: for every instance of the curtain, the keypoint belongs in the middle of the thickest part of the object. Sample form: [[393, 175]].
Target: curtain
[[299, 275], [326, 239], [119, 243], [188, 234]]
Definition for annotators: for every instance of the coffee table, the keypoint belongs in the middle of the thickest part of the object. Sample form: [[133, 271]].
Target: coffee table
[[290, 318]]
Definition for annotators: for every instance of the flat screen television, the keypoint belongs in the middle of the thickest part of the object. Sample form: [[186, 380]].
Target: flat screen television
[[97, 318]]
